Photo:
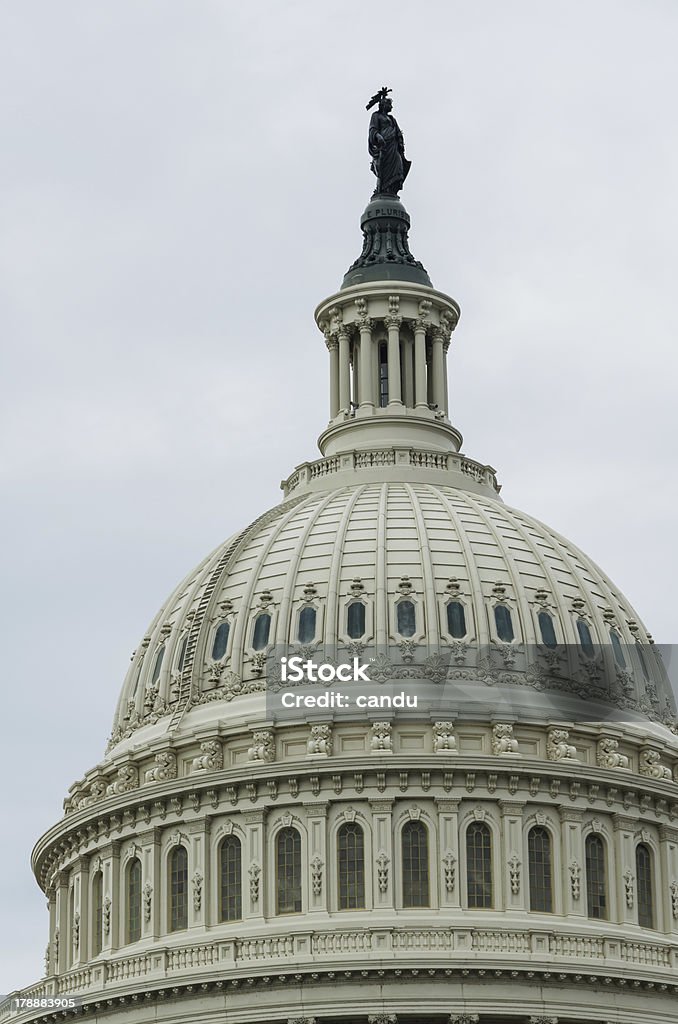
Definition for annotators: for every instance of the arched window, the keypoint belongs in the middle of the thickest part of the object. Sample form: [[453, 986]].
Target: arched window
[[548, 633], [230, 879], [288, 871], [479, 866], [645, 885], [405, 617], [585, 638], [414, 843], [383, 375], [97, 913], [351, 866], [456, 620], [617, 648], [178, 889], [306, 632], [158, 664], [356, 620], [182, 653], [220, 641], [596, 878], [643, 663], [133, 900], [502, 619], [262, 627], [539, 870]]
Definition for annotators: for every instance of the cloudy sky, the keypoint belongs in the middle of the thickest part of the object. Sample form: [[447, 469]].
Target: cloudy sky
[[181, 182]]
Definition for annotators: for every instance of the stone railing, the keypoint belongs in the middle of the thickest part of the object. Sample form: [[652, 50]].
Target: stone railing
[[407, 458]]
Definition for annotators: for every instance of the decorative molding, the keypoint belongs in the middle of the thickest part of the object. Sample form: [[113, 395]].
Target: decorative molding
[[514, 873], [382, 871], [381, 740], [629, 883], [211, 759], [503, 741], [165, 767], [254, 871], [449, 868], [317, 875], [557, 747], [650, 765], [148, 901], [263, 746], [673, 891], [106, 914], [575, 880], [197, 891], [320, 741], [607, 755], [444, 741], [382, 1018]]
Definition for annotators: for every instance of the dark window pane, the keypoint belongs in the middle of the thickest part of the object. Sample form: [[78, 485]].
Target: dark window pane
[[262, 628], [643, 663], [182, 653], [617, 648], [97, 913], [220, 641], [351, 864], [178, 880], [288, 872], [502, 618], [479, 866], [539, 865], [134, 900], [306, 625], [415, 865], [158, 664], [406, 618], [548, 633], [356, 620], [456, 620], [596, 878], [644, 882], [383, 375], [230, 894], [585, 638]]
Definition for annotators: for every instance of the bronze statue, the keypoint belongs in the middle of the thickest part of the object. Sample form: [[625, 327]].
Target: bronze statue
[[386, 147]]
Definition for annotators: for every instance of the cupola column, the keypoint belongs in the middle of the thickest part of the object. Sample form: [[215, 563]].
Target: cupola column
[[366, 361], [438, 369], [333, 349], [393, 321], [344, 371], [420, 364]]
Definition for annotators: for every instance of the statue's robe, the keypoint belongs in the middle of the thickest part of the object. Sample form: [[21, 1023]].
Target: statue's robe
[[388, 161]]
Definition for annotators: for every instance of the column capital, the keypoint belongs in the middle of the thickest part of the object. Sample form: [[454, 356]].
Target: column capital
[[511, 806], [620, 823]]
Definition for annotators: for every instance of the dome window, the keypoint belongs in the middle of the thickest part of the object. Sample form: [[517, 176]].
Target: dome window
[[178, 889], [406, 618], [585, 638], [617, 648], [288, 872], [645, 886], [456, 620], [479, 866], [262, 628], [414, 844], [220, 641], [306, 631], [596, 878], [134, 900], [182, 653], [351, 865], [502, 619], [548, 633], [158, 664], [539, 870], [356, 620], [643, 663], [97, 913], [230, 878]]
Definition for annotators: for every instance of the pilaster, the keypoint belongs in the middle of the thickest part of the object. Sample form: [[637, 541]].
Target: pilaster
[[198, 873], [625, 857], [254, 876], [382, 854], [151, 889], [448, 852], [316, 819], [515, 881]]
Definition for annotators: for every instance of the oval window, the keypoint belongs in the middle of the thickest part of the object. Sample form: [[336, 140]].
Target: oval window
[[548, 633], [456, 620], [356, 620], [502, 618], [406, 618], [617, 648], [585, 638], [262, 627], [306, 632], [221, 641]]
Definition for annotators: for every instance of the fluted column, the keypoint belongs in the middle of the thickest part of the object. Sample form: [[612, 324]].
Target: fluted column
[[333, 349], [446, 348], [393, 321], [574, 868], [448, 856], [420, 399], [438, 368], [344, 370], [515, 881], [366, 397]]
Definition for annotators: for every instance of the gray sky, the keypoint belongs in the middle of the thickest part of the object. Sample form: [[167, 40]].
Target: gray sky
[[181, 183]]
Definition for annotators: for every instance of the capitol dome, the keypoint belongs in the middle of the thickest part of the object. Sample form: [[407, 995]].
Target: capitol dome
[[503, 850]]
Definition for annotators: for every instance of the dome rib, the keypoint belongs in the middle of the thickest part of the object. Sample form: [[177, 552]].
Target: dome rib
[[428, 575], [332, 625]]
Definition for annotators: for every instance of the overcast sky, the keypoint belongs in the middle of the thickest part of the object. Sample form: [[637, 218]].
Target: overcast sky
[[181, 182]]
